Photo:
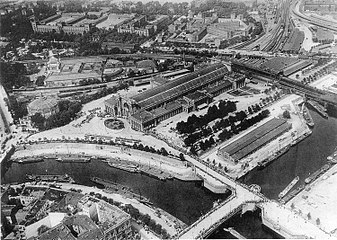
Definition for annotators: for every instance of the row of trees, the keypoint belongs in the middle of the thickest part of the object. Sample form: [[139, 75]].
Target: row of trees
[[146, 148], [228, 133], [193, 122], [243, 125]]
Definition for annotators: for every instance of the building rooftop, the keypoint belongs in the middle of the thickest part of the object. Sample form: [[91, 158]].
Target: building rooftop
[[60, 232], [167, 108], [197, 95], [255, 138], [42, 103], [110, 216], [143, 116], [178, 86], [80, 223], [146, 64], [222, 85]]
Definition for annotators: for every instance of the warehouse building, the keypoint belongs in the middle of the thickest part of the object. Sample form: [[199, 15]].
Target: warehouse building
[[254, 140]]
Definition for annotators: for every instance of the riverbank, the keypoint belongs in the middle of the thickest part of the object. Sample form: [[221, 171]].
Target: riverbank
[[155, 163]]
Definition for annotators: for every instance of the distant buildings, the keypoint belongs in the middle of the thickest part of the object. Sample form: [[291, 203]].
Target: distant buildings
[[72, 71], [320, 5], [186, 93], [140, 26], [207, 28], [71, 23]]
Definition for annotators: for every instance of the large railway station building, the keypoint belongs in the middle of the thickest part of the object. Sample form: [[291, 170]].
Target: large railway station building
[[187, 93]]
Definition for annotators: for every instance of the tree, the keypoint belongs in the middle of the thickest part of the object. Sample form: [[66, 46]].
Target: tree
[[42, 229], [309, 215], [38, 121], [182, 157], [163, 151], [40, 80], [286, 114]]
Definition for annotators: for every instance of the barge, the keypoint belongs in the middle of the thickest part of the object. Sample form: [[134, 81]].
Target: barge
[[319, 108], [307, 117], [289, 187], [316, 174], [50, 178], [26, 160]]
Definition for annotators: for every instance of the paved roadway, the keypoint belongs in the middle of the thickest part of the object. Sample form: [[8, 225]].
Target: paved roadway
[[315, 21]]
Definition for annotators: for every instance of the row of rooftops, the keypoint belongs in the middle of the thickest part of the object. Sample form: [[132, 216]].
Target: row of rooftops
[[273, 65], [178, 86], [77, 226]]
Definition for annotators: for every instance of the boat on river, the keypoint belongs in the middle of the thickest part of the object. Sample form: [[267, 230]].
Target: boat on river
[[50, 177], [125, 167], [307, 117], [73, 159], [319, 108], [26, 160], [113, 187], [289, 187], [316, 174]]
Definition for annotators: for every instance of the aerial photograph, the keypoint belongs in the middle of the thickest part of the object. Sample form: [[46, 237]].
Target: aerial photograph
[[181, 119]]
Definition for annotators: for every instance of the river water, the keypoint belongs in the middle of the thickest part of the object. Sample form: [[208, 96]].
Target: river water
[[189, 200], [184, 200]]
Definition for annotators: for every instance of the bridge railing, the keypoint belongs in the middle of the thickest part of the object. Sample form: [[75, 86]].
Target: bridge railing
[[232, 196]]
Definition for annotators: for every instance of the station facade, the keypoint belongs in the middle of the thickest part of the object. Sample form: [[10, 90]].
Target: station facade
[[187, 93]]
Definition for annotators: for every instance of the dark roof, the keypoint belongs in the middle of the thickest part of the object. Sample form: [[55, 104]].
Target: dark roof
[[83, 222], [179, 86], [197, 95], [59, 232], [142, 116], [256, 138], [93, 234], [296, 67], [146, 64], [218, 87], [166, 109]]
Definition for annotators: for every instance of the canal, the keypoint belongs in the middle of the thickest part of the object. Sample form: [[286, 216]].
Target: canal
[[189, 200]]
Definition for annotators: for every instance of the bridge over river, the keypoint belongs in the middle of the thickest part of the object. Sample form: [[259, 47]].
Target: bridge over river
[[280, 219]]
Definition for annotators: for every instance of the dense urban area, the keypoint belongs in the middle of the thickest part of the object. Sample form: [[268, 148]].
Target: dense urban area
[[168, 120]]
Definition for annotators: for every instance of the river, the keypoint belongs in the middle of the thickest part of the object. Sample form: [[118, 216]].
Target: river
[[184, 200]]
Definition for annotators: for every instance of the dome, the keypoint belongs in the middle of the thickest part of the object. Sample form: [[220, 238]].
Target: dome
[[53, 60], [45, 106]]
